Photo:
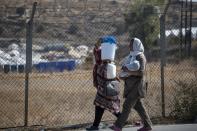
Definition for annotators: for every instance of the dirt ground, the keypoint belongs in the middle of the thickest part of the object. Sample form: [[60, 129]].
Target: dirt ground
[[57, 99]]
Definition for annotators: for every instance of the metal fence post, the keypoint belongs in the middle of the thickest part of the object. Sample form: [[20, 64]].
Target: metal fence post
[[163, 58], [162, 48], [28, 66]]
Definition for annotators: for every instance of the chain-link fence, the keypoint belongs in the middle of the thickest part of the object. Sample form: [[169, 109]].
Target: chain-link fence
[[60, 86], [180, 56]]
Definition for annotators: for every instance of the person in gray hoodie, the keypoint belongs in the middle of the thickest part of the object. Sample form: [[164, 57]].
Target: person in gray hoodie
[[133, 68]]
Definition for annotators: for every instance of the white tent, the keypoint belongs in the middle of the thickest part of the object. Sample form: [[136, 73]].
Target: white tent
[[3, 62], [14, 53], [13, 47], [176, 32]]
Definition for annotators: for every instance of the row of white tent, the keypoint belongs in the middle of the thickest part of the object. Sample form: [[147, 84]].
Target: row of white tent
[[14, 55], [5, 58], [176, 32]]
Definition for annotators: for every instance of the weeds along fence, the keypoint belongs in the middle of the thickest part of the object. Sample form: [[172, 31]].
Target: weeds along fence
[[60, 88]]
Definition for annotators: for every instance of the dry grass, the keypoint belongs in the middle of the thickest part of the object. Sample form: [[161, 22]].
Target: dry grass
[[67, 98]]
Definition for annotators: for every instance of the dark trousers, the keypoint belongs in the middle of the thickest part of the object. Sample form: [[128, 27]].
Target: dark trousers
[[98, 115], [133, 102]]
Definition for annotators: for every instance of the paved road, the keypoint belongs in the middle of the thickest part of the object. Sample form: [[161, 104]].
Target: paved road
[[183, 127], [187, 127]]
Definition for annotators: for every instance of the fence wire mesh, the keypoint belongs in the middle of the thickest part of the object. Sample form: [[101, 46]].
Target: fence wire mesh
[[61, 88], [11, 84], [180, 48]]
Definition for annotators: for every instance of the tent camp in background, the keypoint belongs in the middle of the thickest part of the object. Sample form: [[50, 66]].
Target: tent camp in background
[[176, 32]]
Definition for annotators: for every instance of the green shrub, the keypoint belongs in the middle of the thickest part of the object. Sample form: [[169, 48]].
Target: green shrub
[[185, 106], [40, 28], [73, 29], [142, 21]]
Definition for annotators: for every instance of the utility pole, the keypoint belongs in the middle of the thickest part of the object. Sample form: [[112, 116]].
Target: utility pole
[[186, 29], [186, 18], [190, 29], [181, 33]]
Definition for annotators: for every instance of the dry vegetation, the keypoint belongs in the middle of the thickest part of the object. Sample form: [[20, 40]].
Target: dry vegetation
[[66, 98]]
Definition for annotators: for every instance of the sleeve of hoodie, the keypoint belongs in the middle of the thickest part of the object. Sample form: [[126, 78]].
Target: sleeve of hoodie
[[138, 64], [142, 61]]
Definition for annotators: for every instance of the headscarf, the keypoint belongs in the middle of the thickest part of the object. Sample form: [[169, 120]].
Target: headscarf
[[130, 61], [138, 49], [98, 61], [97, 52]]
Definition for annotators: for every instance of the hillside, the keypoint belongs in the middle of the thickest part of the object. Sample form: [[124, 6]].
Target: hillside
[[73, 22], [79, 12], [64, 19]]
